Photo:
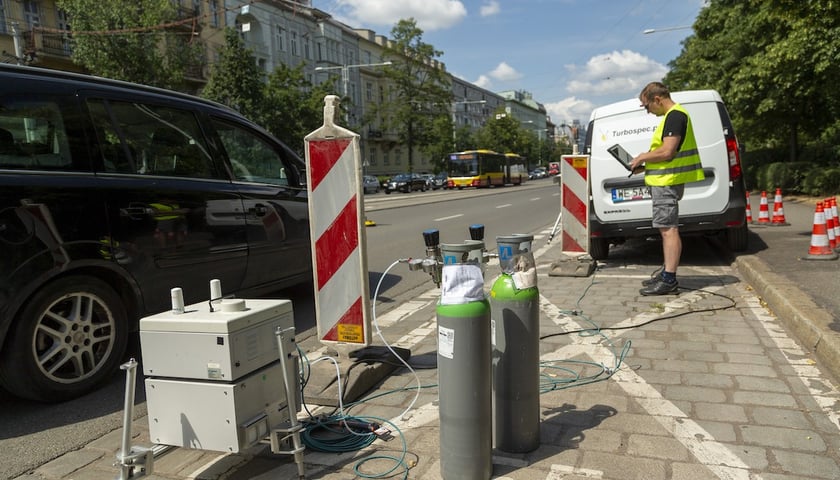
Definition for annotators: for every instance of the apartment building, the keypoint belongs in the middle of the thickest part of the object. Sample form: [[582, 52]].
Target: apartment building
[[278, 32]]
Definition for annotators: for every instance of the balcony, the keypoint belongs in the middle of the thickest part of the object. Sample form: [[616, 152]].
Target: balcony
[[46, 44]]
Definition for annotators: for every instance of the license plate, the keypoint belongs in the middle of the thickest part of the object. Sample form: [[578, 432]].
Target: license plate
[[630, 194]]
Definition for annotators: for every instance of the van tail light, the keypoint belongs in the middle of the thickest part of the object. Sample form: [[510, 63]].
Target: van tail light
[[734, 159]]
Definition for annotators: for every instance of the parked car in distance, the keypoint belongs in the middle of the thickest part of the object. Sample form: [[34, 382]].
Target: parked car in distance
[[429, 179], [539, 172], [370, 184], [433, 181], [112, 194], [405, 182], [441, 180]]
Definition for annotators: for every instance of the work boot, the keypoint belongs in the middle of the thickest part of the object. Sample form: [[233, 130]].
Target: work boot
[[654, 276], [660, 287]]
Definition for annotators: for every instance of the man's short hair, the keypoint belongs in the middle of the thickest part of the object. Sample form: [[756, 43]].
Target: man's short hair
[[655, 89]]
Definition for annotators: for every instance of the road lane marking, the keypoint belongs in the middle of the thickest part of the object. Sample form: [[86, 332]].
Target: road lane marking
[[448, 218], [504, 205]]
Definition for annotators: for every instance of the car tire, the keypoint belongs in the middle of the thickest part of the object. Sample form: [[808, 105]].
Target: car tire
[[737, 239], [387, 192], [599, 248], [69, 338]]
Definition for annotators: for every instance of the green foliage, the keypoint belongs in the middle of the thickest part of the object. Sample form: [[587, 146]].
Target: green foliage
[[822, 181], [776, 63], [419, 91], [235, 79], [286, 105], [132, 40], [785, 175], [502, 133], [291, 107]]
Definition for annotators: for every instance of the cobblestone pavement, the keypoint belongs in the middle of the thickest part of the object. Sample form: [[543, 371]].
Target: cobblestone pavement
[[707, 384]]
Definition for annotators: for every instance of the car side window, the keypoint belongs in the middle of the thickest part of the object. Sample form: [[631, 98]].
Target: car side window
[[252, 159], [33, 136], [146, 139]]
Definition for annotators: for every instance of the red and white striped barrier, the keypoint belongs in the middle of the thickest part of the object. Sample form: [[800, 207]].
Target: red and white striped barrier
[[574, 199], [336, 225]]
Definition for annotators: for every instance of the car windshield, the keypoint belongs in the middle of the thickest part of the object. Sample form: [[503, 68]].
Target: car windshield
[[402, 177]]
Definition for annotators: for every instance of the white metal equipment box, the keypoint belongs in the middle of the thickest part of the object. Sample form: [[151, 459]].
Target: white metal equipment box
[[221, 343], [223, 417]]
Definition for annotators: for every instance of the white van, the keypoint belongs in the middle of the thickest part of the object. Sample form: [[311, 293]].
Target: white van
[[621, 206]]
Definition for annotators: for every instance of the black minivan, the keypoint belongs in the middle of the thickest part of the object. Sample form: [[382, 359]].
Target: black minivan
[[111, 194]]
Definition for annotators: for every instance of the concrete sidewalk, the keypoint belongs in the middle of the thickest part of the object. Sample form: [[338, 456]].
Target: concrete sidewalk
[[703, 385]]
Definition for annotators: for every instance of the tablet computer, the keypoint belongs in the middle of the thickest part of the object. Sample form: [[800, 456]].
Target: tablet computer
[[620, 154]]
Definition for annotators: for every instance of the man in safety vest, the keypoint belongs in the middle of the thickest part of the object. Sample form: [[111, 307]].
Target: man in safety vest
[[673, 161]]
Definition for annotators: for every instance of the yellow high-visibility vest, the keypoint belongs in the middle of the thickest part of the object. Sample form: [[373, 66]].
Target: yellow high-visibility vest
[[685, 167]]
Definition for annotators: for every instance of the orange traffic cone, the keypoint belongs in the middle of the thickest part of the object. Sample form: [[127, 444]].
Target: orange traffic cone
[[832, 223], [819, 238], [763, 212], [749, 210], [836, 222], [778, 210], [829, 224]]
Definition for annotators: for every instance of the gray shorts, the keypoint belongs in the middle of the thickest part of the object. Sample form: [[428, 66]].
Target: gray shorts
[[666, 207]]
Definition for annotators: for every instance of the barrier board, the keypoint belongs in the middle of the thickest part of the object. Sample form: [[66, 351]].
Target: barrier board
[[336, 216], [574, 199]]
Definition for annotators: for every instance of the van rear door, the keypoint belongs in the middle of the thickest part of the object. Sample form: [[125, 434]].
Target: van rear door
[[619, 198]]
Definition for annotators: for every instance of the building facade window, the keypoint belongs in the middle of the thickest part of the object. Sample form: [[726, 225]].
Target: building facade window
[[3, 16], [32, 13], [294, 43], [214, 12], [281, 39], [63, 23], [372, 156]]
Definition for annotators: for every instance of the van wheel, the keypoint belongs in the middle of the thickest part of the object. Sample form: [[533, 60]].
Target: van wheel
[[738, 238], [599, 248], [69, 338]]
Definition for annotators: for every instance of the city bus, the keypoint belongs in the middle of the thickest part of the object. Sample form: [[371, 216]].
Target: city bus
[[485, 168]]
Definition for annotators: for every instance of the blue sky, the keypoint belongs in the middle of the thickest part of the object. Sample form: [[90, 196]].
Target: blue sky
[[572, 55]]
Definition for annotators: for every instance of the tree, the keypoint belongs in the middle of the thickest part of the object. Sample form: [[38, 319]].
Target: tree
[[132, 40], [419, 91], [503, 133], [291, 106], [235, 79], [775, 63]]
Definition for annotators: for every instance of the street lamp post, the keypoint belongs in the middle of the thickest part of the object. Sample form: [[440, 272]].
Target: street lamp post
[[666, 29]]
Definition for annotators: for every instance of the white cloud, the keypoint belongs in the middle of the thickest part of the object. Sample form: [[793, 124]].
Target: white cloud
[[618, 72], [568, 109], [491, 8], [504, 72], [483, 82], [429, 14]]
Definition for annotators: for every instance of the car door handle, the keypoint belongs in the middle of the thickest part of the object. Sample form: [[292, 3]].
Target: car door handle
[[137, 211], [259, 210]]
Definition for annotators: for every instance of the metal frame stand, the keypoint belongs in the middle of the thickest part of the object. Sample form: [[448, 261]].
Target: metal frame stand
[[280, 436], [134, 462]]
